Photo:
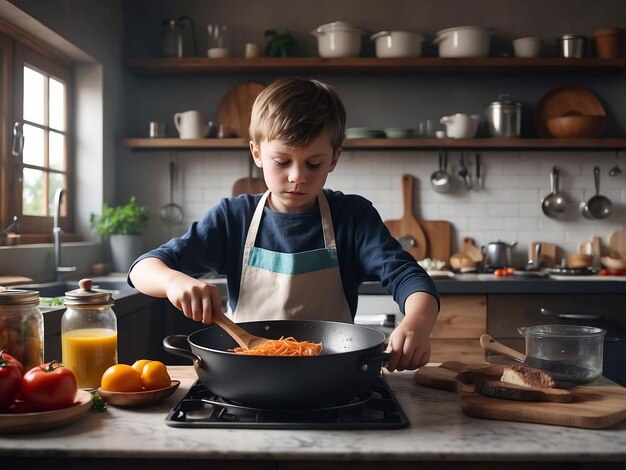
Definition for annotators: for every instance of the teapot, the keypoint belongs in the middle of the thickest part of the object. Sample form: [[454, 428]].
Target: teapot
[[498, 254], [461, 126], [190, 125]]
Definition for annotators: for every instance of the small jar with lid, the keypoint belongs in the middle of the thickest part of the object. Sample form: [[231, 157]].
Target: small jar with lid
[[88, 334], [21, 326]]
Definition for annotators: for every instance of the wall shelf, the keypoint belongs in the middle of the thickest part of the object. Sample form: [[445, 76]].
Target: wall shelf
[[390, 144], [205, 65]]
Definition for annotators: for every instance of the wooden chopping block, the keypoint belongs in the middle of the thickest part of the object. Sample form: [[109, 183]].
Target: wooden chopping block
[[438, 237], [617, 243], [592, 406], [470, 249], [7, 281], [407, 230], [235, 108], [548, 253], [251, 184]]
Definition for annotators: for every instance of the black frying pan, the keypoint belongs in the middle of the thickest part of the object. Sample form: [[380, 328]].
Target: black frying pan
[[350, 362]]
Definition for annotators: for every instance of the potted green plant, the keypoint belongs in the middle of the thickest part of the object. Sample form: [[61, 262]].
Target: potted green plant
[[122, 226], [279, 44]]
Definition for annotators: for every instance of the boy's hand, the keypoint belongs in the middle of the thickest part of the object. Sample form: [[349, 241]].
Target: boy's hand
[[197, 299], [409, 346]]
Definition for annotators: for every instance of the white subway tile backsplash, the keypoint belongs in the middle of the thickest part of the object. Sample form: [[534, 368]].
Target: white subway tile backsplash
[[507, 208]]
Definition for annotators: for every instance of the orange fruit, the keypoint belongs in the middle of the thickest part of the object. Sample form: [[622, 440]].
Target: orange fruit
[[121, 378], [138, 365], [154, 376]]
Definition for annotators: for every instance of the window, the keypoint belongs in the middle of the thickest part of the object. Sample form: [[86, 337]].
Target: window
[[37, 160]]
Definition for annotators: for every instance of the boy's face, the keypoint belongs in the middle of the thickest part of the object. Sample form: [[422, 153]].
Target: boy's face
[[294, 176]]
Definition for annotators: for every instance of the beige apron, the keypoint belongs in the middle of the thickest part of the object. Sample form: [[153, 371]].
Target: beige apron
[[291, 286]]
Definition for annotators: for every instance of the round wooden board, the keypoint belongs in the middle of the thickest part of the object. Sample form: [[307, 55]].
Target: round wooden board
[[562, 100], [234, 110], [44, 420]]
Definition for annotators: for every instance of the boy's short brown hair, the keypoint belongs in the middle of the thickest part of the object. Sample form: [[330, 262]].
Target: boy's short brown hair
[[297, 111]]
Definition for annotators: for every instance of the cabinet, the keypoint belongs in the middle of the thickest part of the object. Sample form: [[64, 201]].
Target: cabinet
[[461, 321], [155, 67]]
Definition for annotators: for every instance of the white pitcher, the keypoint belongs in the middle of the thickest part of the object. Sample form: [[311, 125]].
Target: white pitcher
[[189, 125], [461, 126]]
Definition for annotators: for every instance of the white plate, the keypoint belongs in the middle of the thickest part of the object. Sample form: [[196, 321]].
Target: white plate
[[440, 274], [43, 420]]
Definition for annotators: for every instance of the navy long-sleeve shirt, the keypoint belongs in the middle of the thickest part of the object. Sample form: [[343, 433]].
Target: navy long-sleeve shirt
[[365, 248]]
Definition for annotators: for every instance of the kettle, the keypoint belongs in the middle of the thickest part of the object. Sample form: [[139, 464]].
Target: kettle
[[497, 254], [461, 126]]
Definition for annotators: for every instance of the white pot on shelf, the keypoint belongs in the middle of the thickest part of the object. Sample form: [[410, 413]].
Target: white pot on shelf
[[338, 39]]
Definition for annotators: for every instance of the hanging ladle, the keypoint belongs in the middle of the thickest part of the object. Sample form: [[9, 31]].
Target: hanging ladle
[[440, 179], [598, 207], [171, 212], [554, 203], [616, 170]]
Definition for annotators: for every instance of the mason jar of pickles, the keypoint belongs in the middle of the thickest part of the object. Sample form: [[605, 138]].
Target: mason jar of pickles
[[88, 333], [21, 326]]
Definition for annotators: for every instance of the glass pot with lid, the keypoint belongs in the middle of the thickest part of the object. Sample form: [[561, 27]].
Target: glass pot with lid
[[504, 117], [570, 353], [88, 333], [21, 326]]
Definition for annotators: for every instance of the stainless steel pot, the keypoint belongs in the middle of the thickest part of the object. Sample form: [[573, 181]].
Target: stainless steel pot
[[504, 117], [572, 45], [498, 254]]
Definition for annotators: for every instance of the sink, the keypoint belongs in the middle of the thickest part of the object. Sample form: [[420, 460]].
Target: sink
[[58, 289]]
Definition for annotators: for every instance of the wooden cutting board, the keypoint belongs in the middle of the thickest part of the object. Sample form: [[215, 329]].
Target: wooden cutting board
[[250, 185], [471, 250], [407, 230], [233, 111], [592, 406], [438, 238], [548, 253], [617, 242], [14, 280]]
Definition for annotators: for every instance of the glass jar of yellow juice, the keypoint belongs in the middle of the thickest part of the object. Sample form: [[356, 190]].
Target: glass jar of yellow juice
[[88, 333]]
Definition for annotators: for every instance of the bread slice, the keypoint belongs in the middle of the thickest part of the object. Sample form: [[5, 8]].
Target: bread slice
[[527, 377]]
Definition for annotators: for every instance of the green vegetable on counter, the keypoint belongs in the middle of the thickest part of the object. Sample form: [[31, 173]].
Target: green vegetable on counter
[[98, 403]]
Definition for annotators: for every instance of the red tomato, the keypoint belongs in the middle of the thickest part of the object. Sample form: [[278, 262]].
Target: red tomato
[[10, 380], [510, 270], [499, 272], [49, 386]]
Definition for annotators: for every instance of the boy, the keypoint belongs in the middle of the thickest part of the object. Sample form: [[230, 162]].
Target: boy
[[298, 251]]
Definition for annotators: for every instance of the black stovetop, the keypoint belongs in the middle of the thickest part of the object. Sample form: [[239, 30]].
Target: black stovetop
[[200, 408]]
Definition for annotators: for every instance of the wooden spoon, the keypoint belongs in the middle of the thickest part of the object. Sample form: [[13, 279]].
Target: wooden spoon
[[242, 337], [494, 346]]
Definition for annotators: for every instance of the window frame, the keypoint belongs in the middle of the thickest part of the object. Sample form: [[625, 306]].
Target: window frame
[[18, 48]]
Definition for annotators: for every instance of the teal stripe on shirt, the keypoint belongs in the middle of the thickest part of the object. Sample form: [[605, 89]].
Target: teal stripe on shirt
[[293, 263]]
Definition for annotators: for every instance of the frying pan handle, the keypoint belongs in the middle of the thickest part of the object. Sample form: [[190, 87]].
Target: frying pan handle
[[169, 344], [364, 364]]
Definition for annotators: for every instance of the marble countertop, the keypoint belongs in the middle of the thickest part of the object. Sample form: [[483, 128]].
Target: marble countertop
[[438, 431]]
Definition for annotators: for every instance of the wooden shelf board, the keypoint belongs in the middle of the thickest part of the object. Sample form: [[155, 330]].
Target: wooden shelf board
[[391, 144], [201, 65]]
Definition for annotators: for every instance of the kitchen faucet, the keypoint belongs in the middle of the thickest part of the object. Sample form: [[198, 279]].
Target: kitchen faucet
[[14, 224], [56, 234]]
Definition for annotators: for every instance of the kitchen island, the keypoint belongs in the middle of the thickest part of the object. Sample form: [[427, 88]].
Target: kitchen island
[[439, 436]]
